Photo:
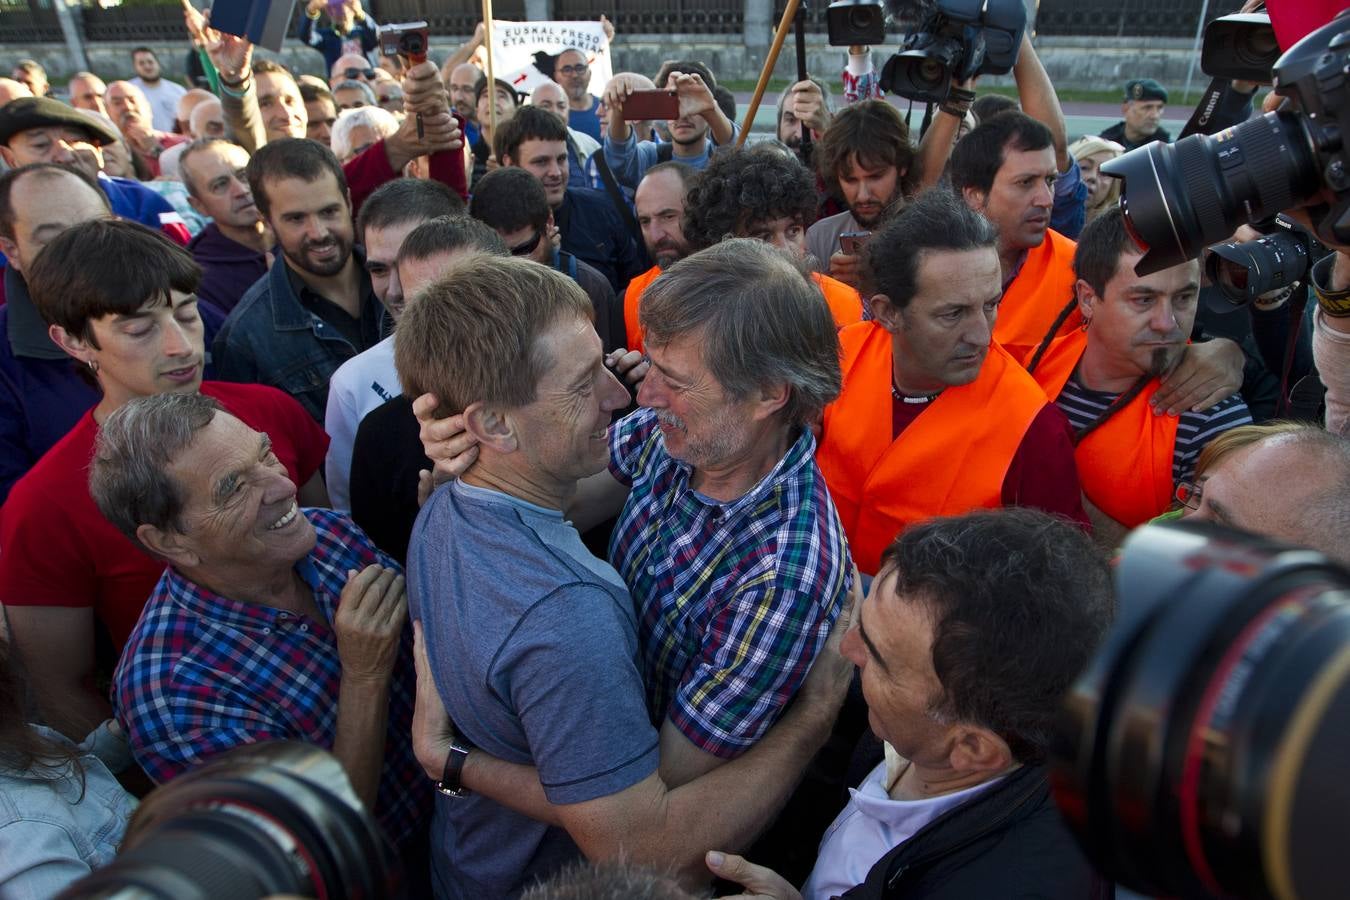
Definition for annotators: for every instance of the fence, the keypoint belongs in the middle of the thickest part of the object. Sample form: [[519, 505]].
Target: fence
[[23, 21]]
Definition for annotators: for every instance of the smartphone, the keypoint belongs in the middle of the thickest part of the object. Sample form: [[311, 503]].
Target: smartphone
[[408, 40], [642, 106], [851, 242]]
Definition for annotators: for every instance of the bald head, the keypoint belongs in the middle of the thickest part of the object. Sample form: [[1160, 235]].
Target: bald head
[[347, 61], [189, 102], [86, 92], [125, 100], [551, 97], [12, 90], [1293, 486], [460, 82], [208, 120]]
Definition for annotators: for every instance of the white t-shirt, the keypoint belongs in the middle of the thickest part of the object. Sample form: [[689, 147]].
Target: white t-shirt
[[869, 827], [366, 381], [163, 96]]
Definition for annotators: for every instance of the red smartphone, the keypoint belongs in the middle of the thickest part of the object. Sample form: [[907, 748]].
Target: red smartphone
[[642, 106], [851, 242]]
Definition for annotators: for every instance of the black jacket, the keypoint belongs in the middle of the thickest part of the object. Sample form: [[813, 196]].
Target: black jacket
[[1008, 841], [1117, 133]]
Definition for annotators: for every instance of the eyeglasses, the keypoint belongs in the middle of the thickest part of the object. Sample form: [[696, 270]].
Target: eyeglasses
[[527, 248], [367, 74], [581, 69], [1189, 494]]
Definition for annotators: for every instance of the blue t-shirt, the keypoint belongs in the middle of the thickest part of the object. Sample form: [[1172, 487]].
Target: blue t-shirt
[[586, 120], [533, 643]]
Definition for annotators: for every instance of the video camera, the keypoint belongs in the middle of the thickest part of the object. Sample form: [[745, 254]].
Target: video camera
[[1202, 752], [257, 821], [1180, 198], [954, 39]]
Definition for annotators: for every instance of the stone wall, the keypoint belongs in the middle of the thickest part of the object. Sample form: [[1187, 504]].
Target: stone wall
[[1082, 63]]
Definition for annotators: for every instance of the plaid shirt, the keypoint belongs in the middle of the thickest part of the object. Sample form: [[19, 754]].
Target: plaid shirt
[[203, 673], [734, 599]]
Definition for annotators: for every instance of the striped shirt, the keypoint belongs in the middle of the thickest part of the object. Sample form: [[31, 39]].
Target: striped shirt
[[1194, 429], [203, 673], [734, 599]]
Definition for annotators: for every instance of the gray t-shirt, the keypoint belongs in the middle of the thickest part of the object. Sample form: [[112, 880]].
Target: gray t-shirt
[[822, 238], [533, 642]]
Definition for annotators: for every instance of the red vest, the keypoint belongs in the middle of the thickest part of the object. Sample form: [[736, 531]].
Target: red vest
[[953, 458], [1037, 296], [844, 302], [1125, 465]]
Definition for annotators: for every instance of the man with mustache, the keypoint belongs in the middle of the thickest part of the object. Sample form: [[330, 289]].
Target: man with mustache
[[315, 308], [935, 418], [128, 314], [866, 153], [1134, 332], [232, 249], [659, 203]]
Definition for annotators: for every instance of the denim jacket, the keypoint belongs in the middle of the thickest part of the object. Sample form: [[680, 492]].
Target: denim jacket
[[271, 338]]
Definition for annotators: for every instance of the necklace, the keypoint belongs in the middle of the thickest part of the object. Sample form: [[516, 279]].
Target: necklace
[[905, 398]]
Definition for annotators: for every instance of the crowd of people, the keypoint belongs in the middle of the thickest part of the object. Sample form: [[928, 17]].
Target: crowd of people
[[602, 489]]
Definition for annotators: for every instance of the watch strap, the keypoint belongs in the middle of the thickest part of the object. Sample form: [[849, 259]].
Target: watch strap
[[451, 783]]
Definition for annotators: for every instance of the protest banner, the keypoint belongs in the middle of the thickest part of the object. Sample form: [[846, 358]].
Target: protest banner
[[523, 53]]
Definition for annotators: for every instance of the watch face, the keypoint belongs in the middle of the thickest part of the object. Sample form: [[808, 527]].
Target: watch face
[[443, 788]]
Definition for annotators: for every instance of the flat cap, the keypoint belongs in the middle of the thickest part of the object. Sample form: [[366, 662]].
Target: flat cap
[[43, 112], [1145, 89]]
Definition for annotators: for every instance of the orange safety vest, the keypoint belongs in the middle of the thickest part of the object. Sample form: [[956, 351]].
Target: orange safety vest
[[1036, 297], [951, 459], [632, 295], [1125, 465], [845, 303]]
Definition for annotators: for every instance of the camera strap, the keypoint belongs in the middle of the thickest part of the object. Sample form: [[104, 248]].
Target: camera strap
[[1203, 115]]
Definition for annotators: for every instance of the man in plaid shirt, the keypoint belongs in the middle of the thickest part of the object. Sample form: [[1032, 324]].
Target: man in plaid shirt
[[727, 539], [271, 622]]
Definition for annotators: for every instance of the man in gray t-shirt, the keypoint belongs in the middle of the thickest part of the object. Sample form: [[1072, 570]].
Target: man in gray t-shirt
[[531, 641], [535, 643]]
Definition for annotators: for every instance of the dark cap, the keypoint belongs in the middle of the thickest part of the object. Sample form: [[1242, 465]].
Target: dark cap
[[44, 112], [1145, 89]]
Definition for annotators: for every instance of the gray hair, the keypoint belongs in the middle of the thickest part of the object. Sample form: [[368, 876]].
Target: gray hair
[[129, 477], [1324, 521], [351, 84], [762, 320], [380, 120]]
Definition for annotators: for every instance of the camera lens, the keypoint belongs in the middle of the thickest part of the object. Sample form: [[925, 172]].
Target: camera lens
[[1180, 198], [1200, 753], [862, 17], [1244, 271], [273, 818]]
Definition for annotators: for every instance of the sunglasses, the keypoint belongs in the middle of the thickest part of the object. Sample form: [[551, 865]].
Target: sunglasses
[[527, 248], [358, 73]]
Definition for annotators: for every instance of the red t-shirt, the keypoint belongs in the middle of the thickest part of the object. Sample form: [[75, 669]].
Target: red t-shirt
[[56, 549], [1042, 473]]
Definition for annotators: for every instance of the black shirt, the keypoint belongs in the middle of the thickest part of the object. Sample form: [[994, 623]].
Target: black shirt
[[362, 333]]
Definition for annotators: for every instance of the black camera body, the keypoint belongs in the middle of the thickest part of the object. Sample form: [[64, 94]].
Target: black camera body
[[1181, 198], [1245, 270], [1240, 47], [960, 39], [855, 22]]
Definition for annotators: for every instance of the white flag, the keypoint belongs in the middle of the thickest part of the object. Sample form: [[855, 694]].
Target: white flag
[[519, 47]]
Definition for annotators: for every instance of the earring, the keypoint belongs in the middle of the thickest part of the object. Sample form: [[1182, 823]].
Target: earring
[[93, 366], [1086, 323]]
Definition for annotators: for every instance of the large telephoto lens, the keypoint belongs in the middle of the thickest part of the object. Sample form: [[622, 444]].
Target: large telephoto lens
[[1202, 752], [278, 818], [1244, 270], [1180, 198]]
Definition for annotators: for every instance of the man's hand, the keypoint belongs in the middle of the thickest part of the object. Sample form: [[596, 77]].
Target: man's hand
[[807, 103], [1207, 373], [451, 449], [696, 99], [608, 27], [139, 135], [428, 110], [369, 622], [759, 882], [230, 54], [314, 7], [432, 730], [846, 267], [629, 366], [195, 23]]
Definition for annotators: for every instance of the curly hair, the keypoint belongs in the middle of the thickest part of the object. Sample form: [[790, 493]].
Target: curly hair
[[742, 187]]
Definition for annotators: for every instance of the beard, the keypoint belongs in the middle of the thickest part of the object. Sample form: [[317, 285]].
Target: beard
[[1164, 359], [322, 268]]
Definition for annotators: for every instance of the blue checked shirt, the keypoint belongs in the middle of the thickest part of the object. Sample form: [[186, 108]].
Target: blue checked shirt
[[734, 599], [203, 673]]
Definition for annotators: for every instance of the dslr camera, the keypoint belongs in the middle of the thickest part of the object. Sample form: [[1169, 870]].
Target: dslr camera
[[1245, 270], [1180, 198], [954, 39]]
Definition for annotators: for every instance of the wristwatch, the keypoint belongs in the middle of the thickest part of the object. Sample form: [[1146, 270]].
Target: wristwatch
[[450, 784]]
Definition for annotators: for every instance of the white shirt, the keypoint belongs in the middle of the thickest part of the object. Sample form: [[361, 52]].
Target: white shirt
[[364, 382], [163, 96], [869, 827]]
